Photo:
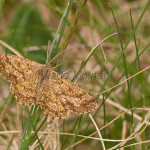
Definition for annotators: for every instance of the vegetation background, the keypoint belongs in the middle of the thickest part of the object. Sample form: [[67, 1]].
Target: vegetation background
[[122, 119]]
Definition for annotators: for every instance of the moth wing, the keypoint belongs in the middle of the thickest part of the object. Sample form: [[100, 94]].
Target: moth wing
[[71, 97], [50, 103], [26, 91], [17, 69], [23, 75]]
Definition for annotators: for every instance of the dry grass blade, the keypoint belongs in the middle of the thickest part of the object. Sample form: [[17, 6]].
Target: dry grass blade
[[125, 80], [120, 107], [134, 133], [146, 109], [100, 136], [10, 48]]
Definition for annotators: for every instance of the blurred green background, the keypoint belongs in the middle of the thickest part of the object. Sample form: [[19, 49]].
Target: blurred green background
[[28, 25]]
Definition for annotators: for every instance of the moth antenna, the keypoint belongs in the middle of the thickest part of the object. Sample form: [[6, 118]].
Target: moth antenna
[[49, 51], [57, 66], [59, 54]]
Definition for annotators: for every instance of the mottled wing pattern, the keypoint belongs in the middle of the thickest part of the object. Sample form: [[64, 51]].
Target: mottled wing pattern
[[22, 73], [26, 91], [67, 95], [49, 101], [34, 83], [17, 69]]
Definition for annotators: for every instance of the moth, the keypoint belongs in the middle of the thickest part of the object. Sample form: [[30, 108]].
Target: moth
[[38, 84]]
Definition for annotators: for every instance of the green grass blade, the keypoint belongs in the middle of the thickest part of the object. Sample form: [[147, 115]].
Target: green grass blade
[[35, 131], [125, 46], [1, 4], [25, 131], [78, 130], [64, 17], [141, 77], [9, 145], [125, 67]]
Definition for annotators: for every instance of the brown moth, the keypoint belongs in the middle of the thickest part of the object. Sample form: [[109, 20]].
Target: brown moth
[[37, 84]]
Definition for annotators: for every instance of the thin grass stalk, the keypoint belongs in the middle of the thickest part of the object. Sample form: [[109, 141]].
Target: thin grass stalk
[[125, 67], [141, 77], [1, 4], [53, 142], [73, 25]]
